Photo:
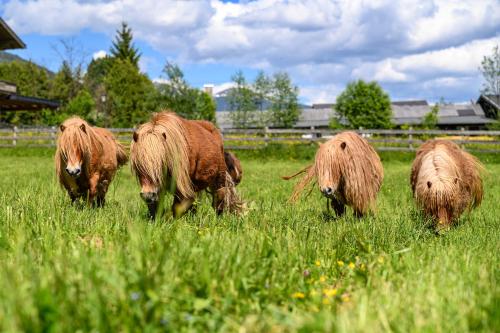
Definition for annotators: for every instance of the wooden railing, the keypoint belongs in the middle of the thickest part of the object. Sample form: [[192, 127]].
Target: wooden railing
[[400, 140]]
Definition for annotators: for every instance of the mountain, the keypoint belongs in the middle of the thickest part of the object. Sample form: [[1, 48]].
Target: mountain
[[9, 57]]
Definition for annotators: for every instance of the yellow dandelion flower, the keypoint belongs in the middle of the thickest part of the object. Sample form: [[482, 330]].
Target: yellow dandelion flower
[[322, 278], [340, 263], [326, 301], [345, 298], [317, 263], [380, 260], [330, 292], [298, 295], [351, 265]]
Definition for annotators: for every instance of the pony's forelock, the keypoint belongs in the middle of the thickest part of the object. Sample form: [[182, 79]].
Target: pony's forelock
[[161, 149], [73, 136]]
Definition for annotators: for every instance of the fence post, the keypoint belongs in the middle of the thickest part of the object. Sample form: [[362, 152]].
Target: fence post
[[53, 135], [266, 135], [313, 135], [410, 138], [14, 136], [462, 138]]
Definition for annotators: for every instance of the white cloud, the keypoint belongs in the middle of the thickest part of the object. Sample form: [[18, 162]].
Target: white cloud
[[99, 54], [320, 93], [406, 45], [464, 59]]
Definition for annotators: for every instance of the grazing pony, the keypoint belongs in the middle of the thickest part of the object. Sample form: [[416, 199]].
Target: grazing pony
[[87, 159], [170, 153], [445, 181], [348, 172], [233, 167]]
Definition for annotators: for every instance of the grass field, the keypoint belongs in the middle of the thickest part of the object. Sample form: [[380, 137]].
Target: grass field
[[280, 268]]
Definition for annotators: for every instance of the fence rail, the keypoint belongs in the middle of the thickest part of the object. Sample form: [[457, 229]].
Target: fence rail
[[399, 140]]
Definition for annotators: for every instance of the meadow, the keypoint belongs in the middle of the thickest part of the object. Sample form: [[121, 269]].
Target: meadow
[[279, 268]]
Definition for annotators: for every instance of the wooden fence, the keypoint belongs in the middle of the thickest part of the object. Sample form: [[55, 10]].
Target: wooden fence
[[398, 140]]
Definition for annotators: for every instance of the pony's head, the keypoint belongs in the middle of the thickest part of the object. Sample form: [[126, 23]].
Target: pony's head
[[73, 146], [159, 157], [328, 163], [233, 165]]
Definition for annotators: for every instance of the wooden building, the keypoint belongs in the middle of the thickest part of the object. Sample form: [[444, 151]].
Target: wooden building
[[10, 100]]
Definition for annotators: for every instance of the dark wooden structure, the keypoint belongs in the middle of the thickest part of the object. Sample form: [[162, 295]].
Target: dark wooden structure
[[9, 99]]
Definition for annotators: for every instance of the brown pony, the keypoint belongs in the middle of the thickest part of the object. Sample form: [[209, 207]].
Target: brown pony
[[170, 153], [87, 159], [348, 171], [445, 181]]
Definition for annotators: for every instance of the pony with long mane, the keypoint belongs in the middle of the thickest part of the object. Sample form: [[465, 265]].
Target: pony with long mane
[[185, 157], [348, 171], [445, 181], [87, 159]]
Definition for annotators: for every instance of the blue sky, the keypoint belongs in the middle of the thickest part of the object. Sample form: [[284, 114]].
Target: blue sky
[[415, 48]]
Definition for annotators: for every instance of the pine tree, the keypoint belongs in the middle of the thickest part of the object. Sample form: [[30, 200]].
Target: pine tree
[[123, 47]]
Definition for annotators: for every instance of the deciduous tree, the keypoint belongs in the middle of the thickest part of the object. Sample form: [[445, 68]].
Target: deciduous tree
[[364, 105]]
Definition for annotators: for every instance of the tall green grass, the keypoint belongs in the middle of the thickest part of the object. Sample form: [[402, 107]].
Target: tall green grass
[[279, 268]]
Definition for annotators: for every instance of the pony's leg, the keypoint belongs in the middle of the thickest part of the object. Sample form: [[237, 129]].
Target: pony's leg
[[94, 183], [218, 200], [338, 207], [181, 206], [102, 189]]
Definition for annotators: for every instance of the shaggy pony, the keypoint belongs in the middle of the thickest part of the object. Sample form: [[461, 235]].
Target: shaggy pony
[[87, 159], [445, 181], [348, 172], [184, 157]]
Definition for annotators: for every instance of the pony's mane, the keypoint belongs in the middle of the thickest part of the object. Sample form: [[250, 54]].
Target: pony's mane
[[162, 143], [440, 169], [438, 178], [73, 136], [349, 156]]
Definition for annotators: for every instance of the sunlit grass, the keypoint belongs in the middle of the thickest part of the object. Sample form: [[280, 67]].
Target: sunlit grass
[[278, 268]]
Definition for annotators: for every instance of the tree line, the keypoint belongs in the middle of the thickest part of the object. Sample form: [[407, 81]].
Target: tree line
[[111, 92]]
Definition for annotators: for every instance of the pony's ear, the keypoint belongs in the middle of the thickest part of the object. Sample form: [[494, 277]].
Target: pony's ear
[[135, 136], [164, 135], [343, 145], [62, 128], [82, 127]]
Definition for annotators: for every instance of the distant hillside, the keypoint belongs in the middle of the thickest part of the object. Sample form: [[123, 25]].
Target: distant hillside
[[9, 57]]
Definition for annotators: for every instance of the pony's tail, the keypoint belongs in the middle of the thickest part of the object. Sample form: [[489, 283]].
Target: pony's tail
[[303, 183], [477, 182], [121, 155], [296, 174]]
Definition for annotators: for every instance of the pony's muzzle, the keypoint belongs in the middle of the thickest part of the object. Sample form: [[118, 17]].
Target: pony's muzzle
[[149, 197], [327, 191], [74, 172]]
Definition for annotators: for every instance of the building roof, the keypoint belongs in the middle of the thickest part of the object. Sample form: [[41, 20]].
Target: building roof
[[494, 100], [410, 103], [8, 39], [404, 112], [14, 102]]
